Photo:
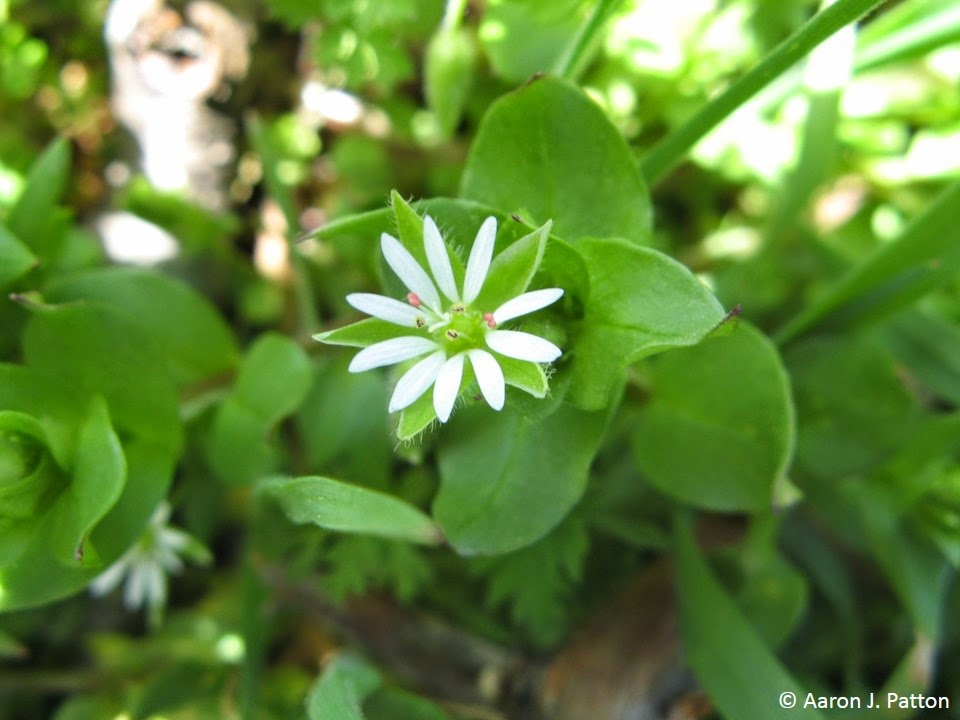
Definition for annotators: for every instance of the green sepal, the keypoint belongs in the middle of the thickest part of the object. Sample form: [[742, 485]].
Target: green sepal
[[524, 375], [363, 333], [417, 417], [513, 269], [410, 228]]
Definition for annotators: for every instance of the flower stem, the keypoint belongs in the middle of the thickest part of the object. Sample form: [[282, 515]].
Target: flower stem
[[453, 14], [666, 154], [571, 63], [303, 294]]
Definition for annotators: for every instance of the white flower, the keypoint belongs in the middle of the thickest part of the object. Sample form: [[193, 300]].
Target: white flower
[[147, 564], [449, 329]]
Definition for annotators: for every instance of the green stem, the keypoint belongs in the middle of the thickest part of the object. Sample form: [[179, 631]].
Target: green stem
[[453, 14], [570, 64], [307, 317], [668, 153]]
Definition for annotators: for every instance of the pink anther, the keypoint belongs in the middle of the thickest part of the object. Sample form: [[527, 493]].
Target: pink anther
[[491, 323], [414, 299]]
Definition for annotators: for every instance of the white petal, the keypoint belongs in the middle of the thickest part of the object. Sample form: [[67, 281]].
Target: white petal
[[135, 590], [409, 271], [522, 346], [447, 389], [526, 303], [384, 308], [416, 381], [439, 260], [479, 262], [390, 352], [107, 581], [156, 586], [489, 376]]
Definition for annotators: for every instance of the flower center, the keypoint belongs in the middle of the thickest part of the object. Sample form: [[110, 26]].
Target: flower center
[[461, 330]]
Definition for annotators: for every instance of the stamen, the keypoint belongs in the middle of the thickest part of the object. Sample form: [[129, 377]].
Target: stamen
[[458, 308], [491, 323], [453, 334], [421, 321], [414, 299]]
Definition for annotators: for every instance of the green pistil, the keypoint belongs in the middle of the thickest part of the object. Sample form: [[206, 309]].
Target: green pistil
[[463, 331]]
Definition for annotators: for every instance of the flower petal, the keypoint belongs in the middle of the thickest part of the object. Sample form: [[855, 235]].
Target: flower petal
[[526, 303], [447, 389], [522, 346], [489, 376], [479, 262], [107, 581], [416, 381], [135, 590], [384, 308], [438, 259], [390, 352], [409, 271]]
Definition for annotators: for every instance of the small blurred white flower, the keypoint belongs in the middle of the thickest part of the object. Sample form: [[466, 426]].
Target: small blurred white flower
[[147, 563], [451, 330]]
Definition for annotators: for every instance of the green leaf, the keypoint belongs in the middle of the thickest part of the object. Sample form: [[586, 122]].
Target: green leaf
[[15, 258], [343, 507], [98, 477], [922, 257], [714, 631], [340, 690], [37, 577], [523, 38], [929, 347], [274, 377], [393, 704], [239, 449], [98, 350], [907, 31], [507, 480], [540, 150], [357, 565], [31, 217], [194, 337], [536, 580], [641, 302], [342, 421], [853, 411], [273, 381], [718, 431]]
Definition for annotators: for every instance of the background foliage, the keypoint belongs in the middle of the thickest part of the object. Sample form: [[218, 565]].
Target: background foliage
[[753, 429]]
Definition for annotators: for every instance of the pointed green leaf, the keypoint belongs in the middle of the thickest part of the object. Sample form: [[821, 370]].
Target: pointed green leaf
[[30, 217], [340, 506], [714, 631], [15, 258]]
